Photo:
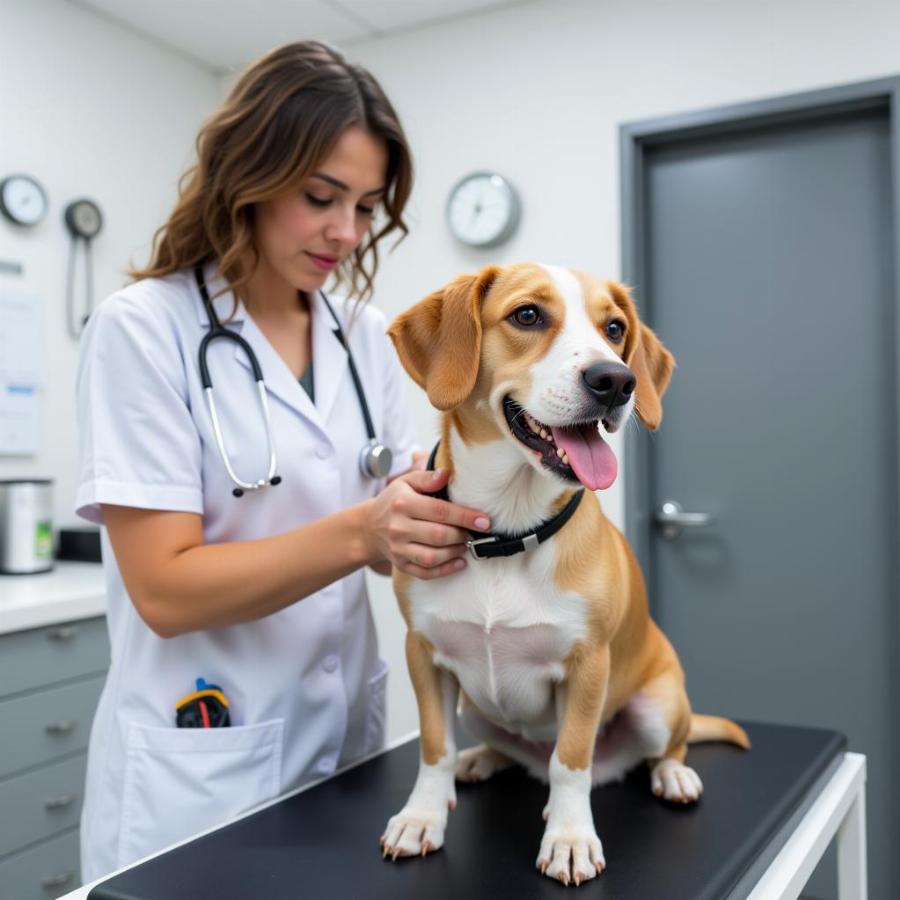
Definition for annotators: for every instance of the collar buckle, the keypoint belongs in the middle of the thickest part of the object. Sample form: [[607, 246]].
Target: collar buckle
[[474, 544]]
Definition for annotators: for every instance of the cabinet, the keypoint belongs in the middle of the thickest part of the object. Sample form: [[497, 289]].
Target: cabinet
[[50, 682]]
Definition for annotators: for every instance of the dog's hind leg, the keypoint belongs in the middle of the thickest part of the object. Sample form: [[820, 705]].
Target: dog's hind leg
[[500, 749], [636, 732], [670, 778], [479, 763]]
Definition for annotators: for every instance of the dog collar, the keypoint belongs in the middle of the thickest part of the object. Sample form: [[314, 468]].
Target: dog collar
[[491, 545]]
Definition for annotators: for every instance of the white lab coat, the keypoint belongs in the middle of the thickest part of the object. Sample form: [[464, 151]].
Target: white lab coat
[[306, 685]]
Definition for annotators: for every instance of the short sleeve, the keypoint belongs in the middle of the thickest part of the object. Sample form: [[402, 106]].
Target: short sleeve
[[137, 441]]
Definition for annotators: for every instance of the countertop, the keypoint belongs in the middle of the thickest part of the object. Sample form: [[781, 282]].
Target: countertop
[[73, 590]]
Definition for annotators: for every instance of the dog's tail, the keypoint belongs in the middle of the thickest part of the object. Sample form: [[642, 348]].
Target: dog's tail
[[714, 728]]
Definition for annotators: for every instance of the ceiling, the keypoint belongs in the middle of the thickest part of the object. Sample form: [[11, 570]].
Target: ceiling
[[224, 36]]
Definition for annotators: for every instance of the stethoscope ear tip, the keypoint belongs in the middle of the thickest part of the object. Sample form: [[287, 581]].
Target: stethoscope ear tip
[[276, 479], [238, 492]]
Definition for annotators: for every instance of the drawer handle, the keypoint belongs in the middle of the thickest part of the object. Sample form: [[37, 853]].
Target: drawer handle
[[52, 881], [63, 727], [60, 802], [63, 633]]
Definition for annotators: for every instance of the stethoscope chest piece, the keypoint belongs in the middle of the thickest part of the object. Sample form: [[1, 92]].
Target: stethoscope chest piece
[[375, 459]]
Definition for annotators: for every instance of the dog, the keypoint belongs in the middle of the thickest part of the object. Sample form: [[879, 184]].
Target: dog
[[549, 655]]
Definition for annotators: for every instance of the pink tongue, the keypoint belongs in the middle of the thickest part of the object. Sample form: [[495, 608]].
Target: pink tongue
[[590, 456]]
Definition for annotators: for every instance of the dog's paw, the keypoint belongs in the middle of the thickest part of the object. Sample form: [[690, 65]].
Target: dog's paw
[[479, 763], [676, 782], [571, 855], [413, 832]]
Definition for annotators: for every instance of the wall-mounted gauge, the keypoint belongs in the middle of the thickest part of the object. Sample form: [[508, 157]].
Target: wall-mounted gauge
[[83, 219]]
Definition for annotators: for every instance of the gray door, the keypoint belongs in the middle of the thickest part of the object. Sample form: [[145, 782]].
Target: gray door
[[768, 261]]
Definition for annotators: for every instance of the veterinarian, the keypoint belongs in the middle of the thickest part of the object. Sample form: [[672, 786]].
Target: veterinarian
[[240, 513]]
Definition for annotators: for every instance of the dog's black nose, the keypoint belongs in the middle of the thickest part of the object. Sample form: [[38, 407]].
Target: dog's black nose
[[612, 384]]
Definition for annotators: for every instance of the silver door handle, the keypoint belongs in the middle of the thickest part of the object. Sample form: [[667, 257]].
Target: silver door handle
[[63, 727], [52, 881], [672, 519], [60, 802]]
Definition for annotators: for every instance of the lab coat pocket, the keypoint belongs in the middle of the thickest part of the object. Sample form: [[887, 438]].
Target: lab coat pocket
[[179, 781], [376, 715]]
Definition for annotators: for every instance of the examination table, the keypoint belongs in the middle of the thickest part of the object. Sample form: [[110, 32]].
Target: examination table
[[322, 842]]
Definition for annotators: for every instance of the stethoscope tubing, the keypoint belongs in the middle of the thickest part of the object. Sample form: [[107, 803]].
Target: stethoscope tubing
[[218, 332], [271, 477], [373, 454], [357, 383], [76, 325]]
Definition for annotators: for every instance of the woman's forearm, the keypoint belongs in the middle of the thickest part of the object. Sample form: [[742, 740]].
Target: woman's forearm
[[214, 585], [178, 583]]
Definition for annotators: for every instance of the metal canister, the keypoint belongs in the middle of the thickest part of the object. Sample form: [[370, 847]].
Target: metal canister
[[26, 526]]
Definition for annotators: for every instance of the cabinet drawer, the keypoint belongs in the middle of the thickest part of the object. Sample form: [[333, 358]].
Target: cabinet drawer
[[41, 803], [41, 727], [39, 656], [42, 872]]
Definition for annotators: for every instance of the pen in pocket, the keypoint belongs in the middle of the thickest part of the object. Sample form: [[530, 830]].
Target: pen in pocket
[[206, 707]]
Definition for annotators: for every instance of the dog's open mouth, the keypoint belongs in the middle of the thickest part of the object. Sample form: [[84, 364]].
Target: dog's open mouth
[[575, 452]]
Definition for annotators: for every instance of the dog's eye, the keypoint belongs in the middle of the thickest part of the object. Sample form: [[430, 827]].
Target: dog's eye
[[527, 316], [615, 330]]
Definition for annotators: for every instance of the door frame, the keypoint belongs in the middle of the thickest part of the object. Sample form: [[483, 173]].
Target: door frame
[[634, 139]]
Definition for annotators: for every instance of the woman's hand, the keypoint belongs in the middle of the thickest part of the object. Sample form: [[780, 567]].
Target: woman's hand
[[419, 461], [418, 534]]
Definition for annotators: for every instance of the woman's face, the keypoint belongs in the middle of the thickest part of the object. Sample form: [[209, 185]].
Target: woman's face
[[303, 235]]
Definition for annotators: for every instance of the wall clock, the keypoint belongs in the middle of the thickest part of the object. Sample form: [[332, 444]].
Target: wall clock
[[22, 200], [483, 210]]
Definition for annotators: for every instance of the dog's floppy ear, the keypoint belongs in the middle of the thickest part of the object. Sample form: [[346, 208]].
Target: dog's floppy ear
[[646, 356], [439, 339], [652, 365]]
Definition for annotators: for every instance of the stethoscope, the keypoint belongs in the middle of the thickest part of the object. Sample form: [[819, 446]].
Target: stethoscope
[[374, 457]]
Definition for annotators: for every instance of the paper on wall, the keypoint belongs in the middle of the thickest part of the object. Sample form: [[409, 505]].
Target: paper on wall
[[20, 368]]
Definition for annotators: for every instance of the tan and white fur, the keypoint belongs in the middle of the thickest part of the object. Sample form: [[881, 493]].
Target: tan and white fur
[[550, 656]]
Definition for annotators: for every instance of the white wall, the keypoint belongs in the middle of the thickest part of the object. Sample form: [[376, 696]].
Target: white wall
[[89, 109], [538, 91]]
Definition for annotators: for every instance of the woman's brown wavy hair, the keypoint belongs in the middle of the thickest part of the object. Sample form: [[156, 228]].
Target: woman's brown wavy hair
[[283, 117]]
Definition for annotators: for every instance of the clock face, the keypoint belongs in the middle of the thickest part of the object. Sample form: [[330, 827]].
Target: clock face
[[22, 200], [483, 210]]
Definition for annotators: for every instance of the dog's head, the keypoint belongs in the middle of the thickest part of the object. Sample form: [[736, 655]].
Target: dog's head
[[554, 358]]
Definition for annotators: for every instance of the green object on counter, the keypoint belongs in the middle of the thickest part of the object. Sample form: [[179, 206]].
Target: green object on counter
[[43, 540]]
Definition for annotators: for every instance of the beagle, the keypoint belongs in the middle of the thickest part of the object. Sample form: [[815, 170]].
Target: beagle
[[545, 644]]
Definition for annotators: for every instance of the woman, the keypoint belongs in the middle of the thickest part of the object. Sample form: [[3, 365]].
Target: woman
[[299, 176]]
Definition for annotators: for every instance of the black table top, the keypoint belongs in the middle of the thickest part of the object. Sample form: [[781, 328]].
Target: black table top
[[323, 842]]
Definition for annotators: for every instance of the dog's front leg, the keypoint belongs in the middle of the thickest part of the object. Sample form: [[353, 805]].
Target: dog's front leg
[[570, 849], [419, 827]]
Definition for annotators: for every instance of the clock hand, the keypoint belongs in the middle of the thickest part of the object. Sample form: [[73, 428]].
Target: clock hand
[[480, 206]]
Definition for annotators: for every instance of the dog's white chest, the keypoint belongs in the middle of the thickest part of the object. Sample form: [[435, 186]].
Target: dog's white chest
[[504, 629]]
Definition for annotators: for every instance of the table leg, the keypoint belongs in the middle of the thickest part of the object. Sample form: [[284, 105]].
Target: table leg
[[851, 850]]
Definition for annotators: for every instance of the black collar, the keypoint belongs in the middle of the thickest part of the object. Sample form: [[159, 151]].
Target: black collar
[[490, 544]]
